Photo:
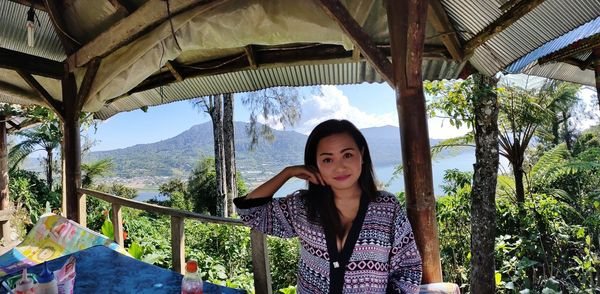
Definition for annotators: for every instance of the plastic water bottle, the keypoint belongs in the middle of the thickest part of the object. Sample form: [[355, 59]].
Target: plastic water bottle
[[25, 285], [47, 282], [191, 282]]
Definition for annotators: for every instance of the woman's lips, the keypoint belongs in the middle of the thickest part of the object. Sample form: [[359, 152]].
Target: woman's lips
[[341, 178]]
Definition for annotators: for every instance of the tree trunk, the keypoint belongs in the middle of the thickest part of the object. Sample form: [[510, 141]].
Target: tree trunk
[[49, 168], [229, 151], [568, 136], [483, 201], [555, 131], [216, 115], [519, 186]]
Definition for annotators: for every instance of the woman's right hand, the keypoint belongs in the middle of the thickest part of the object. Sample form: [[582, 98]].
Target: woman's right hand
[[305, 173]]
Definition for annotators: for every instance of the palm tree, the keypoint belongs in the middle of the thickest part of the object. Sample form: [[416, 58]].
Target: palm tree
[[46, 137], [95, 169]]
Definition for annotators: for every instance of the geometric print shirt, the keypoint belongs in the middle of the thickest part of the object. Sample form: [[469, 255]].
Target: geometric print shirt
[[379, 255]]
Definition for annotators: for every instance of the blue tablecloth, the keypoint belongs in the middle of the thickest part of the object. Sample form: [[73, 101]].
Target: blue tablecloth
[[103, 270]]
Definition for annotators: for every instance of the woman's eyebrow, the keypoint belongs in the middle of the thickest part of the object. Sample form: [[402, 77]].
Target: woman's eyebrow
[[346, 149], [325, 153]]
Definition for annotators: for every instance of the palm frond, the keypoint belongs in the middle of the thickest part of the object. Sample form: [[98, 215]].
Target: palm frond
[[457, 142]]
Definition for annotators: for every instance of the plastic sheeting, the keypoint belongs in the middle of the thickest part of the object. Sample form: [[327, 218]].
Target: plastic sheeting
[[234, 24]]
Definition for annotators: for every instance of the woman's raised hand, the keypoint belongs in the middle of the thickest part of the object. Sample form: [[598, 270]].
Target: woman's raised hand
[[306, 173]]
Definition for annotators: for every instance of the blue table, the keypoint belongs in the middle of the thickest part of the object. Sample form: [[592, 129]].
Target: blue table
[[100, 269]]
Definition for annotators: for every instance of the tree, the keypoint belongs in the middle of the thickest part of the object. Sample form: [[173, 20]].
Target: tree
[[93, 170], [278, 105], [46, 137], [213, 106]]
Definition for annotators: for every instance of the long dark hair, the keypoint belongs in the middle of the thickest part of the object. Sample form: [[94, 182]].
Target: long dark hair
[[319, 200]]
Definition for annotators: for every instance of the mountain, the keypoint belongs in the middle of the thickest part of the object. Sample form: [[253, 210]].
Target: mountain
[[178, 155]]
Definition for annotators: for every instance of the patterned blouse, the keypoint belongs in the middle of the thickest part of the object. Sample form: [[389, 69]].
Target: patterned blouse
[[379, 255]]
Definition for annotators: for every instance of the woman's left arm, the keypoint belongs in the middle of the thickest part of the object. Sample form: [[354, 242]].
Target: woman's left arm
[[405, 260]]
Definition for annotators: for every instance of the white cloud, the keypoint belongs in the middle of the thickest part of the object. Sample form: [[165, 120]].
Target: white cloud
[[441, 129], [334, 104]]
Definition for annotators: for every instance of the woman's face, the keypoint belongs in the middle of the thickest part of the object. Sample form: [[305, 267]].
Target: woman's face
[[339, 161]]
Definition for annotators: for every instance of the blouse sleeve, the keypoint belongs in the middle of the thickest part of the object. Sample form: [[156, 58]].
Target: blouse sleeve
[[271, 216], [405, 260]]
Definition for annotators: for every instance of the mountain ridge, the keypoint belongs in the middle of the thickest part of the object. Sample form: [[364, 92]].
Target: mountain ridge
[[178, 155]]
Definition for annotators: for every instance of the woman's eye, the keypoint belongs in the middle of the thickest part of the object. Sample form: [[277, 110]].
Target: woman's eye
[[327, 160], [348, 155]]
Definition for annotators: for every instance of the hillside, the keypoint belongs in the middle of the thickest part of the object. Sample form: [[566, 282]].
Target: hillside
[[178, 155]]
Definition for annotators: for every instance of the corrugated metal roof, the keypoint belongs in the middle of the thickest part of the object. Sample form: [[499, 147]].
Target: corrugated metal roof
[[252, 80], [589, 29], [13, 33], [549, 20]]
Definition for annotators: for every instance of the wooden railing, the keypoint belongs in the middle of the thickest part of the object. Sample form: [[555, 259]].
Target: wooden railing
[[260, 264]]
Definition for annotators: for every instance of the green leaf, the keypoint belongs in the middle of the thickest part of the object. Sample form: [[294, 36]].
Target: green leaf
[[498, 276], [580, 233], [136, 250], [107, 229], [588, 240]]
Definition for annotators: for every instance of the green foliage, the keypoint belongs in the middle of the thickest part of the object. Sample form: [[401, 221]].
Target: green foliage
[[107, 229], [28, 190], [454, 225]]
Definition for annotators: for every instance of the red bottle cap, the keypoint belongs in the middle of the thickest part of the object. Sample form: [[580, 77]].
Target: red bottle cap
[[191, 266]]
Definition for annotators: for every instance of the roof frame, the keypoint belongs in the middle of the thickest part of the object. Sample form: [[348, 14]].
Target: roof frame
[[500, 24], [336, 10], [55, 105], [441, 23], [148, 16], [69, 43], [38, 66], [266, 56], [580, 46]]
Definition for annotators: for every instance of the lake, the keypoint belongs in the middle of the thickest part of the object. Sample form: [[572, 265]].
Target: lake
[[463, 161]]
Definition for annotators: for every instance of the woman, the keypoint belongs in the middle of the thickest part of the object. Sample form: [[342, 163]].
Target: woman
[[354, 239]]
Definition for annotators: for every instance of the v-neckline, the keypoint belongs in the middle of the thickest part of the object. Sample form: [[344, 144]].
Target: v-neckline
[[337, 259]]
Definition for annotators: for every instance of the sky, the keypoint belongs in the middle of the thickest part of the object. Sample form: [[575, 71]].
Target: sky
[[366, 105]]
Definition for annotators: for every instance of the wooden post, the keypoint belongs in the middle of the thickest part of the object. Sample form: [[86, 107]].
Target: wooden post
[[117, 220], [260, 262], [596, 53], [4, 203], [178, 244], [72, 145], [406, 21]]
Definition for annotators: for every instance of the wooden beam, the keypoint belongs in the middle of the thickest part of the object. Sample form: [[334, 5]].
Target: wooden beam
[[500, 24], [117, 220], [27, 3], [250, 55], [171, 65], [580, 46], [441, 23], [55, 105], [69, 43], [336, 10], [178, 244], [148, 16], [123, 5], [260, 262], [406, 22], [38, 66], [86, 84], [268, 56], [4, 191], [75, 205]]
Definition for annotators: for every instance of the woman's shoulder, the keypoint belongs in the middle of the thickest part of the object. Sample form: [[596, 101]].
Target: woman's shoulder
[[386, 197]]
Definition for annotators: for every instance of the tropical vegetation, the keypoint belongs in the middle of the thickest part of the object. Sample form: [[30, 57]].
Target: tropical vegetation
[[547, 236]]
